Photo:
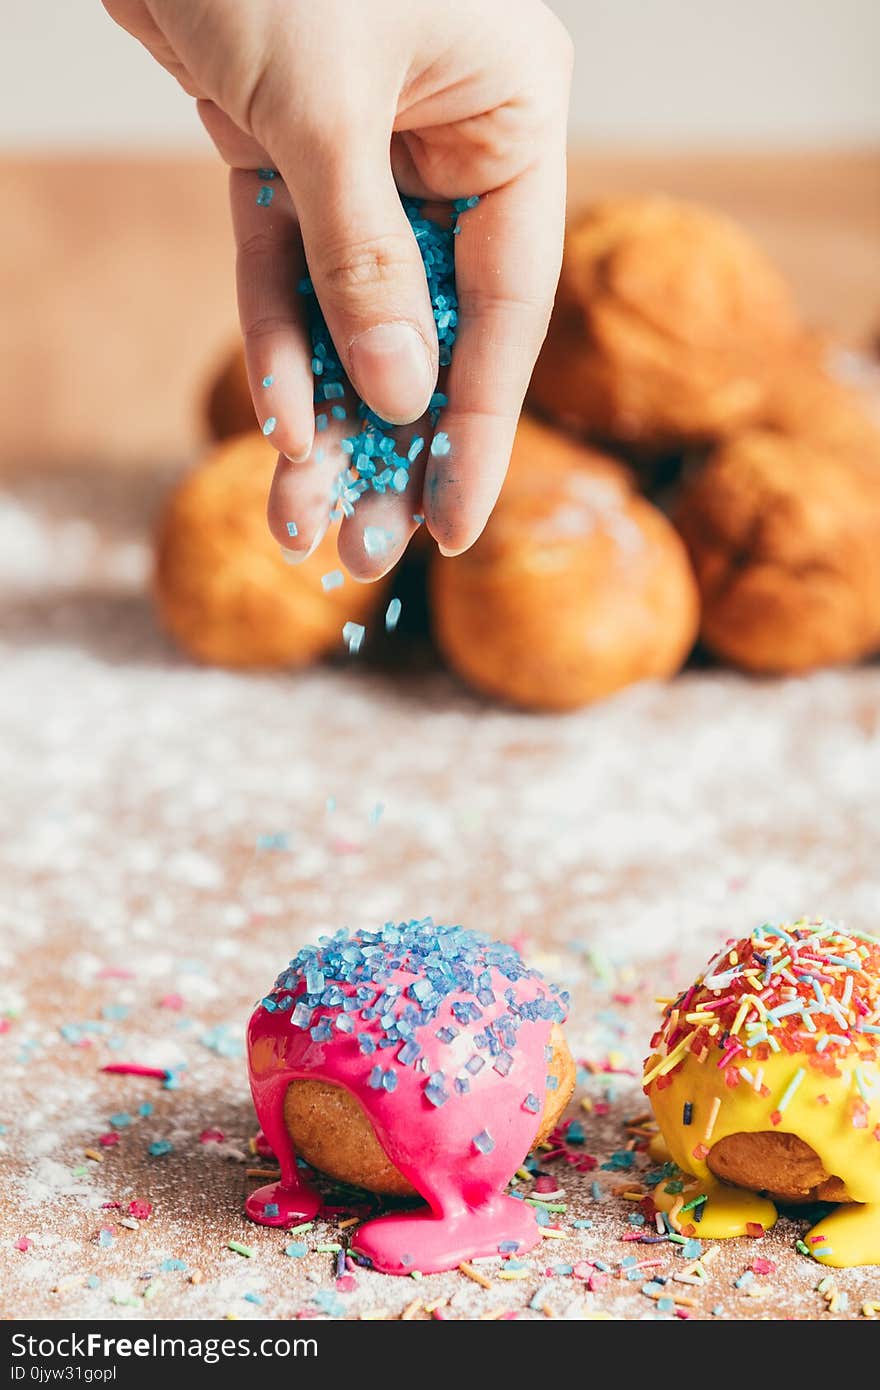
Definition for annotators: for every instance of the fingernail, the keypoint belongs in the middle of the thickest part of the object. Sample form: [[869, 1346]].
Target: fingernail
[[447, 554], [392, 371], [298, 458], [296, 557]]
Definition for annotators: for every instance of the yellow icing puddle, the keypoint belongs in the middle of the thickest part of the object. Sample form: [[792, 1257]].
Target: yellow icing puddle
[[816, 1108]]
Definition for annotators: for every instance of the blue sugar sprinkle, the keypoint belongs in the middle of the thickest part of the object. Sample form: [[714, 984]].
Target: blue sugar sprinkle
[[315, 978], [483, 1142], [320, 422], [301, 1016], [353, 635], [462, 1085], [252, 1297], [376, 439], [106, 1239], [338, 412], [265, 196], [267, 173], [269, 425], [160, 1147], [145, 1108], [271, 1209], [268, 381], [374, 1081], [552, 1083], [377, 540], [392, 614], [435, 1091], [474, 1064], [502, 1064], [389, 1081], [440, 445], [296, 1249], [292, 529], [334, 580], [173, 1266], [121, 1120], [507, 1247], [532, 1104], [409, 1052], [583, 1223]]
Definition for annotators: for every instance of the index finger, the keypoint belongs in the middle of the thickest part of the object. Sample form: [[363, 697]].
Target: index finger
[[507, 260]]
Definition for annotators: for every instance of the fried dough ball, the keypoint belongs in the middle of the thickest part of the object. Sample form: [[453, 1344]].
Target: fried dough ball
[[576, 588], [222, 588], [805, 400], [331, 1131], [782, 1165], [666, 319], [229, 409], [784, 535]]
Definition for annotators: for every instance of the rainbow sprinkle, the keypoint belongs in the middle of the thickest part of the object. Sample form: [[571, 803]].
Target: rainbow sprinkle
[[809, 988]]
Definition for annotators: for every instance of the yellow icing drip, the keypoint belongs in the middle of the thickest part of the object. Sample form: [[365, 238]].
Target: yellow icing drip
[[728, 1211], [851, 1237], [847, 1152]]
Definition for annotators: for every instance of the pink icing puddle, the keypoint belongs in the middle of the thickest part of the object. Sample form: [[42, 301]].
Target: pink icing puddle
[[455, 1113]]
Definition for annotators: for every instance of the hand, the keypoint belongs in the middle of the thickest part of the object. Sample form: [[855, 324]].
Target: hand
[[351, 100]]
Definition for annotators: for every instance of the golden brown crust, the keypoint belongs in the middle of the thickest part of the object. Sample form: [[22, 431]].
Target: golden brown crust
[[576, 588], [784, 536], [666, 317], [229, 409], [332, 1132], [781, 1165], [223, 590]]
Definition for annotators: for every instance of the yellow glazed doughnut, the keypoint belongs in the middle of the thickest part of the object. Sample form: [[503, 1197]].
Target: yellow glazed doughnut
[[765, 1082]]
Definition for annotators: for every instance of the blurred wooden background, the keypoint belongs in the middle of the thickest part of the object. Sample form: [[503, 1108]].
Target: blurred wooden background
[[117, 295]]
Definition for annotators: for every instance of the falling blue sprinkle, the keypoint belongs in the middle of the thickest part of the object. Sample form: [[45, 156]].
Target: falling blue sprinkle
[[265, 196], [483, 1142], [334, 580], [269, 425], [160, 1147], [268, 381], [353, 635], [392, 614]]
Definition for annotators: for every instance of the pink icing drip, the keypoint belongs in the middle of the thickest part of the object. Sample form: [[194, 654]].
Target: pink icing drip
[[469, 1215]]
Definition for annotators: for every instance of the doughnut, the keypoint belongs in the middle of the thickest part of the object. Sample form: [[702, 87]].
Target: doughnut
[[228, 408], [576, 588], [412, 1060], [667, 318], [783, 531], [764, 1078], [222, 588]]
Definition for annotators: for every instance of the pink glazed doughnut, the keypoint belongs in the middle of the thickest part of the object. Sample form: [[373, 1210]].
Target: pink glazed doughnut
[[444, 1039]]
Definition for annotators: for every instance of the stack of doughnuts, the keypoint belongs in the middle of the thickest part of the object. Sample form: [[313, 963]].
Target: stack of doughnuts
[[674, 352]]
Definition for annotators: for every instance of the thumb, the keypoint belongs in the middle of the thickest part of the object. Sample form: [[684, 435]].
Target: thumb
[[369, 278]]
